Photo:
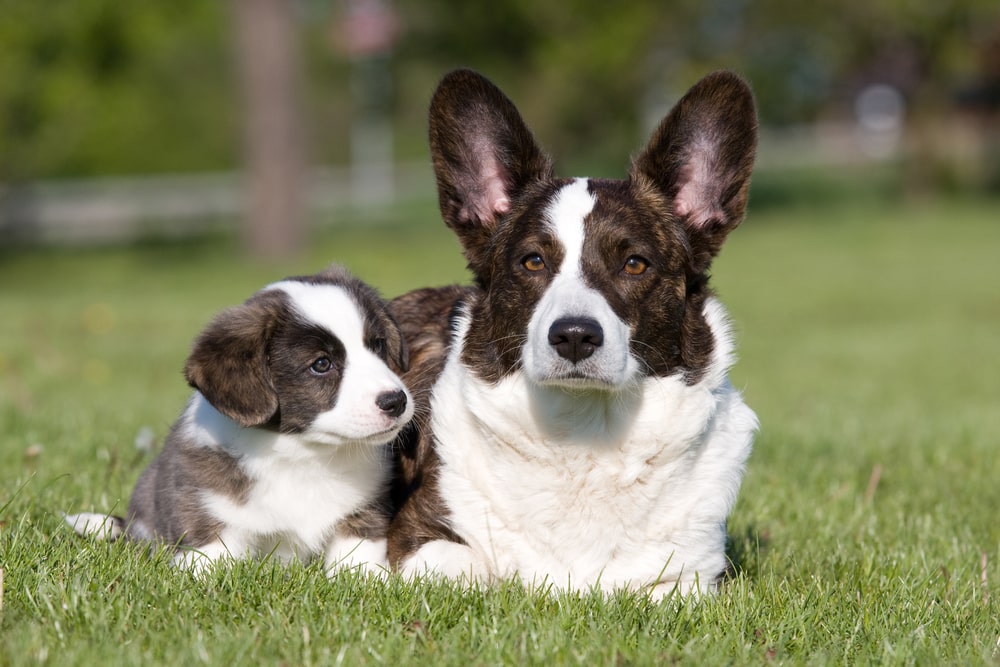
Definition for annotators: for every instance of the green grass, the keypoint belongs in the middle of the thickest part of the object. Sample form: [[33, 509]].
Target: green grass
[[868, 343]]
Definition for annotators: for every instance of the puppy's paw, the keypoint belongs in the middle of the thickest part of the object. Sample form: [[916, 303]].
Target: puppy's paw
[[348, 553], [198, 560], [100, 526]]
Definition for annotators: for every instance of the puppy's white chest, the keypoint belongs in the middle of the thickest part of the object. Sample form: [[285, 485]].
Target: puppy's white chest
[[293, 505]]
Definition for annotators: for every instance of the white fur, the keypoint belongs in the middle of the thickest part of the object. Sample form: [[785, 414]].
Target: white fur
[[200, 559], [447, 559], [578, 488], [354, 553], [99, 526]]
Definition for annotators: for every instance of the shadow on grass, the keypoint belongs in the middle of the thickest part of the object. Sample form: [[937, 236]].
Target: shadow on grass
[[744, 552]]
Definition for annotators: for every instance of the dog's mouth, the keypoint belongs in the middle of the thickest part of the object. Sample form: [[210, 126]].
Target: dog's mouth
[[589, 374], [377, 438], [371, 439], [578, 381], [383, 437]]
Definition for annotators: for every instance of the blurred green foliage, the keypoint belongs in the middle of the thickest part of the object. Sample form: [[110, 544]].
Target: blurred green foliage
[[95, 87], [99, 87], [592, 77]]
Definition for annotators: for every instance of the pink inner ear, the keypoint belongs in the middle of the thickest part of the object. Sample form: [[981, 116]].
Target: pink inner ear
[[489, 196], [697, 197]]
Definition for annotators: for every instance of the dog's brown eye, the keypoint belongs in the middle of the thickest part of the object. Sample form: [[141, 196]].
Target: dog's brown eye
[[635, 265], [533, 262], [321, 366]]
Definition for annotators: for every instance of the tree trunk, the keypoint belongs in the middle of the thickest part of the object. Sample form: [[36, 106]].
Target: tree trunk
[[268, 66]]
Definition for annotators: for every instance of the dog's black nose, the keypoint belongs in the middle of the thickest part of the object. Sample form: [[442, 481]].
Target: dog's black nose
[[393, 403], [576, 338]]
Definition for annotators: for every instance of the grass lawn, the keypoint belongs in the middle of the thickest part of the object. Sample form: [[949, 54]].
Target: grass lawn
[[867, 530]]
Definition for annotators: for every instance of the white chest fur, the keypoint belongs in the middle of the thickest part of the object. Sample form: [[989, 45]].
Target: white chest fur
[[579, 489]]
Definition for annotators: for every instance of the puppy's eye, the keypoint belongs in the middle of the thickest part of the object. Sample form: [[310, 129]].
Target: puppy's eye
[[533, 262], [321, 366], [635, 266]]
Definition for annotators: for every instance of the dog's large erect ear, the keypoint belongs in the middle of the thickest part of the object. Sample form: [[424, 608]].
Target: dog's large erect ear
[[484, 155], [229, 364], [701, 157]]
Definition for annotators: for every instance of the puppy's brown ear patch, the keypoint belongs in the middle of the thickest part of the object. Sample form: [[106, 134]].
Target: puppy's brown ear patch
[[229, 362]]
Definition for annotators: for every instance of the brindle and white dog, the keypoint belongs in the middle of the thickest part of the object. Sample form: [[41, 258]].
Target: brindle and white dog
[[575, 424]]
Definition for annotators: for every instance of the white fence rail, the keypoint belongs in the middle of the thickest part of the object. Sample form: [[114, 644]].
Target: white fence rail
[[117, 209]]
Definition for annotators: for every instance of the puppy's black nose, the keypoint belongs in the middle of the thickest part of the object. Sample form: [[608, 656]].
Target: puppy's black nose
[[393, 403], [575, 338]]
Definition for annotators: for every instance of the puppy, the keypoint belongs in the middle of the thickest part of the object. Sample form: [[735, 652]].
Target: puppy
[[282, 449], [576, 426]]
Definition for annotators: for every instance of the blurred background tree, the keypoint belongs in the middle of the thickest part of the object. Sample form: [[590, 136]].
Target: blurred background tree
[[267, 60]]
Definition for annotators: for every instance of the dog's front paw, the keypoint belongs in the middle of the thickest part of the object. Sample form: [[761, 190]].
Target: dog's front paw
[[683, 587], [446, 559]]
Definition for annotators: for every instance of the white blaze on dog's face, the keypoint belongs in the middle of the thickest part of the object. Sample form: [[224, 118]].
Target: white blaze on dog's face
[[574, 338], [309, 357]]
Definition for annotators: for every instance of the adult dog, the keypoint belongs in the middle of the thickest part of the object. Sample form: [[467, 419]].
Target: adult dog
[[575, 422]]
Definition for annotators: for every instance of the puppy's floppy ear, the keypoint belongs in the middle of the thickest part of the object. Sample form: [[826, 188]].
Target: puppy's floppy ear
[[484, 156], [229, 363], [700, 158]]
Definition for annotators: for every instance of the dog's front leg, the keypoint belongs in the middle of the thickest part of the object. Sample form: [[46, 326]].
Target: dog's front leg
[[448, 559]]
